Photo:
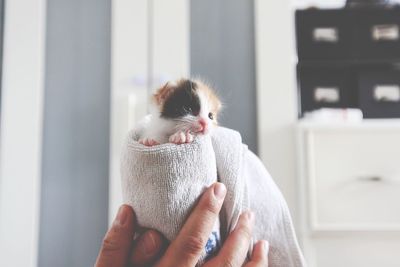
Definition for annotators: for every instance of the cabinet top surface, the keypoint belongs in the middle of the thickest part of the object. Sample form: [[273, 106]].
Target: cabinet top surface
[[364, 124]]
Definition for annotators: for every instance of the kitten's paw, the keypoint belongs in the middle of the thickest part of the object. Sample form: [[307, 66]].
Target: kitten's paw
[[181, 138], [148, 142], [178, 138], [189, 137]]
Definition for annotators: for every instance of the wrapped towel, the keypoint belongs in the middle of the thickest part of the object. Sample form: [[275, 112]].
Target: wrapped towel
[[163, 183]]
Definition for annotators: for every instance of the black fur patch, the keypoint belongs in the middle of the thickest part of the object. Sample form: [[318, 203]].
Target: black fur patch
[[183, 101]]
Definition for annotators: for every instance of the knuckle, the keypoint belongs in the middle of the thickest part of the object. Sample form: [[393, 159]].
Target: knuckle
[[227, 263], [245, 232], [193, 245], [211, 207], [109, 245]]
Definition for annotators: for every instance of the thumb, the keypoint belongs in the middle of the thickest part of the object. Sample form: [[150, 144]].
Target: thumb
[[117, 243]]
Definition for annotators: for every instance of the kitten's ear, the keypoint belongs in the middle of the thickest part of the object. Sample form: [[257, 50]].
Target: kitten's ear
[[163, 93]]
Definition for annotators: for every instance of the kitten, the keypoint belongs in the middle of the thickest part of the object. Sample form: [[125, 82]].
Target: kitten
[[181, 110]]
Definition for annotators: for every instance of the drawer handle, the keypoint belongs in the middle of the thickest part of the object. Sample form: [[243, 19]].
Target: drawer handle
[[326, 94], [325, 35], [370, 179], [387, 93], [385, 33]]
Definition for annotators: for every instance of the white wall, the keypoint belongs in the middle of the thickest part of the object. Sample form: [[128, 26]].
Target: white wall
[[276, 89], [150, 45], [319, 3], [21, 131]]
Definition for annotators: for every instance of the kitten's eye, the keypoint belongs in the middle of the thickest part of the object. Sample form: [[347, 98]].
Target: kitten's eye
[[211, 116]]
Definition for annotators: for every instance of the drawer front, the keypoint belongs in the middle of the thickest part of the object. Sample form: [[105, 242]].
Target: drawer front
[[379, 94], [354, 179], [323, 34], [327, 87], [355, 251], [377, 34]]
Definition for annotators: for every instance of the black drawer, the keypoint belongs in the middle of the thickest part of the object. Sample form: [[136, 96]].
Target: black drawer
[[334, 87], [379, 93], [377, 34], [323, 34]]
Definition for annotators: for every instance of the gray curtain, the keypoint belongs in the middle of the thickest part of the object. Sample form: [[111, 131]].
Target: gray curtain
[[223, 52], [74, 198]]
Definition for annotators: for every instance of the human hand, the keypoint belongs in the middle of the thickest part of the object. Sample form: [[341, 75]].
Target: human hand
[[189, 245], [118, 250]]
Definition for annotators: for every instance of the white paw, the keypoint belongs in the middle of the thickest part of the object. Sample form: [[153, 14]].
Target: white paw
[[148, 142], [189, 137], [181, 138]]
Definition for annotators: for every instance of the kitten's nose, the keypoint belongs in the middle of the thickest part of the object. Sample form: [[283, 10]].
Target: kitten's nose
[[203, 125]]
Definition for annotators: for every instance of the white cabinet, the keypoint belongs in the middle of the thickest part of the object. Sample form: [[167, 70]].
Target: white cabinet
[[350, 193]]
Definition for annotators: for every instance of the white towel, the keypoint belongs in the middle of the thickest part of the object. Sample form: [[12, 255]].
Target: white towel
[[163, 183]]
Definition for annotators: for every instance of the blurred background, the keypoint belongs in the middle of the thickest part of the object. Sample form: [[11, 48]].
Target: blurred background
[[312, 86]]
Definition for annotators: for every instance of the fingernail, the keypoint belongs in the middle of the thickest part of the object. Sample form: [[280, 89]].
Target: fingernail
[[219, 191], [249, 217], [149, 243], [122, 215], [265, 246]]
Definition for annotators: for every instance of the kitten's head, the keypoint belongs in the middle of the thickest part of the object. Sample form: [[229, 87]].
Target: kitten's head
[[191, 104]]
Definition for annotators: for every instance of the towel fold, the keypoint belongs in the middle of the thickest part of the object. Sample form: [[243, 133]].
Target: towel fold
[[163, 183]]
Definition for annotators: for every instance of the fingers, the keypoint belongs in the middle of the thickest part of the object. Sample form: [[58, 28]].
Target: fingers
[[117, 243], [234, 251], [187, 248], [147, 248], [260, 255]]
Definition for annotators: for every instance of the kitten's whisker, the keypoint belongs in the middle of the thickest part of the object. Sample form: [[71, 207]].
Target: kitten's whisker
[[185, 120], [183, 127]]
